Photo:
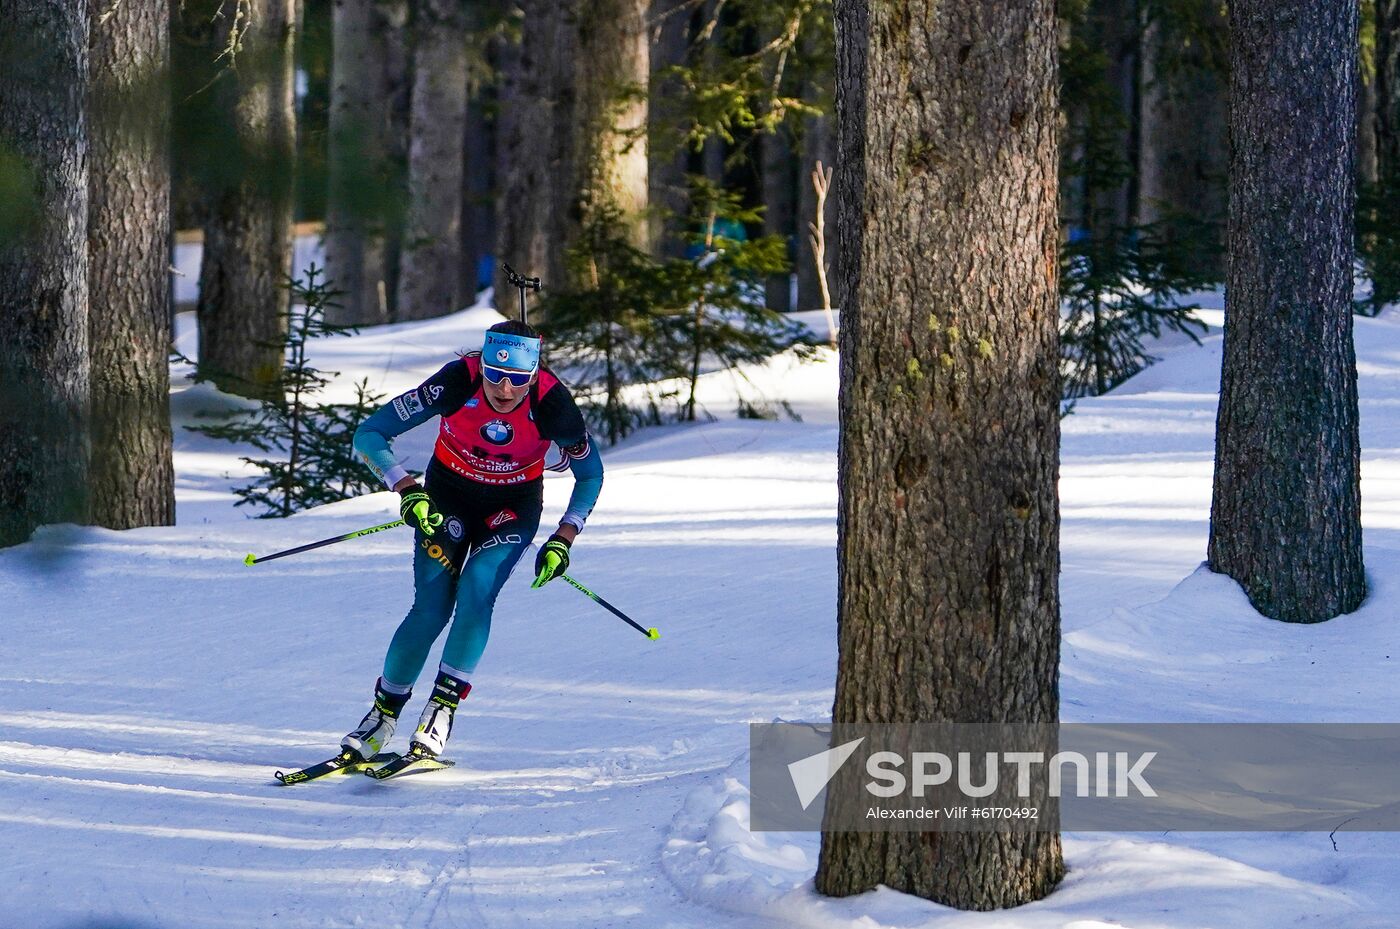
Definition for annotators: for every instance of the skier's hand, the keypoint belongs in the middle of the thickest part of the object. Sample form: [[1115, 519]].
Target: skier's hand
[[416, 508], [551, 561]]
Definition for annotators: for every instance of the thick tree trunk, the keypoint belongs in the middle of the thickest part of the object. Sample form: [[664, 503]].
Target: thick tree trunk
[[1286, 511], [612, 72], [132, 477], [779, 209], [428, 275], [360, 197], [248, 226], [535, 157], [573, 133], [949, 523], [44, 363]]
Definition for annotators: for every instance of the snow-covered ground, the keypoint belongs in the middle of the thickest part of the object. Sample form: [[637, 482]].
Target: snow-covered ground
[[151, 684]]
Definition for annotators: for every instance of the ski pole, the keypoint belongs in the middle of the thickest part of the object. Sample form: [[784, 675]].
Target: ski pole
[[254, 559], [651, 633]]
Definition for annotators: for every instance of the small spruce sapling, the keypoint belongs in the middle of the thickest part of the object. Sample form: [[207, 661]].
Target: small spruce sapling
[[308, 445], [726, 322]]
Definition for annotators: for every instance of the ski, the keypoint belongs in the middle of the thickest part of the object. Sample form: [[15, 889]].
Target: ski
[[347, 762], [412, 763]]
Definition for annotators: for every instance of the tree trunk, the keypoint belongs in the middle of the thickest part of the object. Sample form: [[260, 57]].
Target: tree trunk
[[1286, 511], [612, 73], [779, 210], [1366, 112], [478, 186], [391, 26], [949, 524], [1387, 87], [668, 189], [132, 477], [44, 362], [248, 226], [1119, 34], [359, 198], [432, 235], [534, 157], [573, 133], [1183, 155]]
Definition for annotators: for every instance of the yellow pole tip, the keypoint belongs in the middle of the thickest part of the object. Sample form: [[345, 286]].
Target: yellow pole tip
[[653, 633], [250, 560]]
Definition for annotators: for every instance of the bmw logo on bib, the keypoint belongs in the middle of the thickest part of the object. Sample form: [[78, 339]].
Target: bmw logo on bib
[[497, 432]]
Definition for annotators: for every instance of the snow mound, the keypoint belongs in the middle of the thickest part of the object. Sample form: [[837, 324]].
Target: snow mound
[[1112, 880]]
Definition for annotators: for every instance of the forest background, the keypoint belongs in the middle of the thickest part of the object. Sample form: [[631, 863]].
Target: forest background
[[663, 166]]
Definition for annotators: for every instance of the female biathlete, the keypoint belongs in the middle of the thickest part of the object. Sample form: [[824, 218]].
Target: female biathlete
[[475, 517]]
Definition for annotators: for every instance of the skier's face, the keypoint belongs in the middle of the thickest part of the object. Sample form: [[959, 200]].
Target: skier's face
[[503, 395]]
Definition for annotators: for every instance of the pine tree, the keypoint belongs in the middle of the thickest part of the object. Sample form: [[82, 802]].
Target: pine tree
[[948, 535], [363, 199], [428, 277], [1286, 507], [44, 362], [132, 475], [247, 129]]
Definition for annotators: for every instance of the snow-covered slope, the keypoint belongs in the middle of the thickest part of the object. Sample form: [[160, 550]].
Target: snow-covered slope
[[151, 684]]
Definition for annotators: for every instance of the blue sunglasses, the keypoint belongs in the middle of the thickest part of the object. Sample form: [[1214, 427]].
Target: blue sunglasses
[[516, 378]]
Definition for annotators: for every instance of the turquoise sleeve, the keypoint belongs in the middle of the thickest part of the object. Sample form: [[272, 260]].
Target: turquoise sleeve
[[586, 465], [372, 438]]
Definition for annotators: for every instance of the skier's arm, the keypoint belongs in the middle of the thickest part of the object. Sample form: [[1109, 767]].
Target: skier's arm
[[561, 422], [587, 467], [435, 396]]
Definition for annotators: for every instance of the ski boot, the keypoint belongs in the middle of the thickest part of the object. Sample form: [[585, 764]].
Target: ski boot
[[377, 728], [435, 725]]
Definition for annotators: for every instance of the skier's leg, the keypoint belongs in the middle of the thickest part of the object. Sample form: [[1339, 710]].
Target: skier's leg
[[435, 567], [483, 576]]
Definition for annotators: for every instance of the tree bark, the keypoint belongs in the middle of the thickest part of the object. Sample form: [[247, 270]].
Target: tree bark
[[360, 198], [428, 275], [478, 186], [248, 223], [949, 524], [44, 364], [1286, 510], [1387, 126], [1366, 113], [573, 133], [612, 72], [668, 191], [1183, 156], [391, 25], [132, 477]]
